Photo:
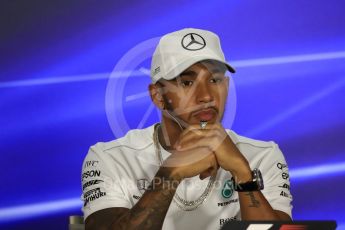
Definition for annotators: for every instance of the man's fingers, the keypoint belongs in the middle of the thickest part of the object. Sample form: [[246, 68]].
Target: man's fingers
[[191, 129], [194, 130], [183, 158], [192, 137], [199, 161], [211, 142]]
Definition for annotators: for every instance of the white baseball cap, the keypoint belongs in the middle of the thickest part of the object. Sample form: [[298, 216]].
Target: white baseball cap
[[179, 50]]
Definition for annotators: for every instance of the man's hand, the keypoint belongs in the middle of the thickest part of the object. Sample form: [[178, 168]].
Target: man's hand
[[215, 139], [192, 162]]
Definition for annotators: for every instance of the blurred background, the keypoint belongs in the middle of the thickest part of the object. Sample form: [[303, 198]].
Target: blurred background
[[56, 58]]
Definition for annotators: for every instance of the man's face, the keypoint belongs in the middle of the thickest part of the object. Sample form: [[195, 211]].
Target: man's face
[[198, 94]]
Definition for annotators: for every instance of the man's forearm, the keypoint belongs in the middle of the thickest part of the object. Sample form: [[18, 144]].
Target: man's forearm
[[150, 211], [254, 206]]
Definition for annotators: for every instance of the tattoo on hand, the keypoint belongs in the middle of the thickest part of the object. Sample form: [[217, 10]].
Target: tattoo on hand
[[254, 202]]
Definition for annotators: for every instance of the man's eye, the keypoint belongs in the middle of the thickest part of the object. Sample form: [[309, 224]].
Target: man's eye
[[216, 80], [186, 83]]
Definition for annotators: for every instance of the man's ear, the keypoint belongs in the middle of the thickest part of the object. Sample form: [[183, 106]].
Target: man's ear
[[227, 78], [156, 95]]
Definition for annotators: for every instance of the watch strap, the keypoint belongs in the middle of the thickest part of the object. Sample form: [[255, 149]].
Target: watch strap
[[255, 185]]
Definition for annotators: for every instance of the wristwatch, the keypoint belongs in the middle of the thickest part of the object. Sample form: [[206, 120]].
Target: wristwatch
[[256, 184]]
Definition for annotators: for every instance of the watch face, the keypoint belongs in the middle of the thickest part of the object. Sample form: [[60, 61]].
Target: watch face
[[259, 179]]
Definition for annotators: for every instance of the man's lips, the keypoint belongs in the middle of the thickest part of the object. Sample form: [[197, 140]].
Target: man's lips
[[206, 114]]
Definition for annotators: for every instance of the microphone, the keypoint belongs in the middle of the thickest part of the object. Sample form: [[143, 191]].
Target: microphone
[[173, 117]]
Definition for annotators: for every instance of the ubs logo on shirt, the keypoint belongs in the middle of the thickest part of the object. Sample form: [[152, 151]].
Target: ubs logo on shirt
[[228, 189]]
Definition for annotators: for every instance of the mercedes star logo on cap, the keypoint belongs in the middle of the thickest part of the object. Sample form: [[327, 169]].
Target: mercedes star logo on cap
[[193, 41]]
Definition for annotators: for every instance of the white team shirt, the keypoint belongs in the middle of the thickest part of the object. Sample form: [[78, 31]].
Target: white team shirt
[[116, 174]]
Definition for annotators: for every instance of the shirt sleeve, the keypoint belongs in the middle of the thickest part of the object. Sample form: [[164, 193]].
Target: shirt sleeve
[[101, 185], [275, 174]]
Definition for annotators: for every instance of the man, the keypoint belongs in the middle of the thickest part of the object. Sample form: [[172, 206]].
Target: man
[[186, 172]]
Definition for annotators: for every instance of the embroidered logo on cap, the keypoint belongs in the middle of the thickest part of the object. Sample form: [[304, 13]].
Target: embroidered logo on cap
[[193, 41]]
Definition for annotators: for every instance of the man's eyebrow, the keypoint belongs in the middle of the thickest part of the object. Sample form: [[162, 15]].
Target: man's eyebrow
[[188, 73]]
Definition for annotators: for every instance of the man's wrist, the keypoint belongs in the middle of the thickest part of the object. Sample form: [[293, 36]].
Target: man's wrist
[[255, 184], [242, 175]]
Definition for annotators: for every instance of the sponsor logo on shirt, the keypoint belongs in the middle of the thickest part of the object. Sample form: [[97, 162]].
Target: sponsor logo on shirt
[[284, 194], [143, 185], [91, 182], [227, 202], [93, 194], [136, 197], [283, 168], [91, 173], [228, 189], [285, 175], [286, 186], [90, 164], [222, 221]]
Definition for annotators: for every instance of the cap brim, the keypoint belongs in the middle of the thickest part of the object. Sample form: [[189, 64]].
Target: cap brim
[[179, 68], [185, 64], [230, 68]]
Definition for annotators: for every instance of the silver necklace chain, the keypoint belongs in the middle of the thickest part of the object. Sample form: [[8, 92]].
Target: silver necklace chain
[[182, 203]]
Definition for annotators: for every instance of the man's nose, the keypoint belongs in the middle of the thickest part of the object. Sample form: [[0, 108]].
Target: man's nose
[[204, 93]]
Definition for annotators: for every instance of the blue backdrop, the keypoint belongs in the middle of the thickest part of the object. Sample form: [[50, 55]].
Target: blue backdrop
[[57, 56]]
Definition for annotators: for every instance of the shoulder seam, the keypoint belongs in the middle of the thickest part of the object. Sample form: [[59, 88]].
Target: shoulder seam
[[258, 146], [127, 146]]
